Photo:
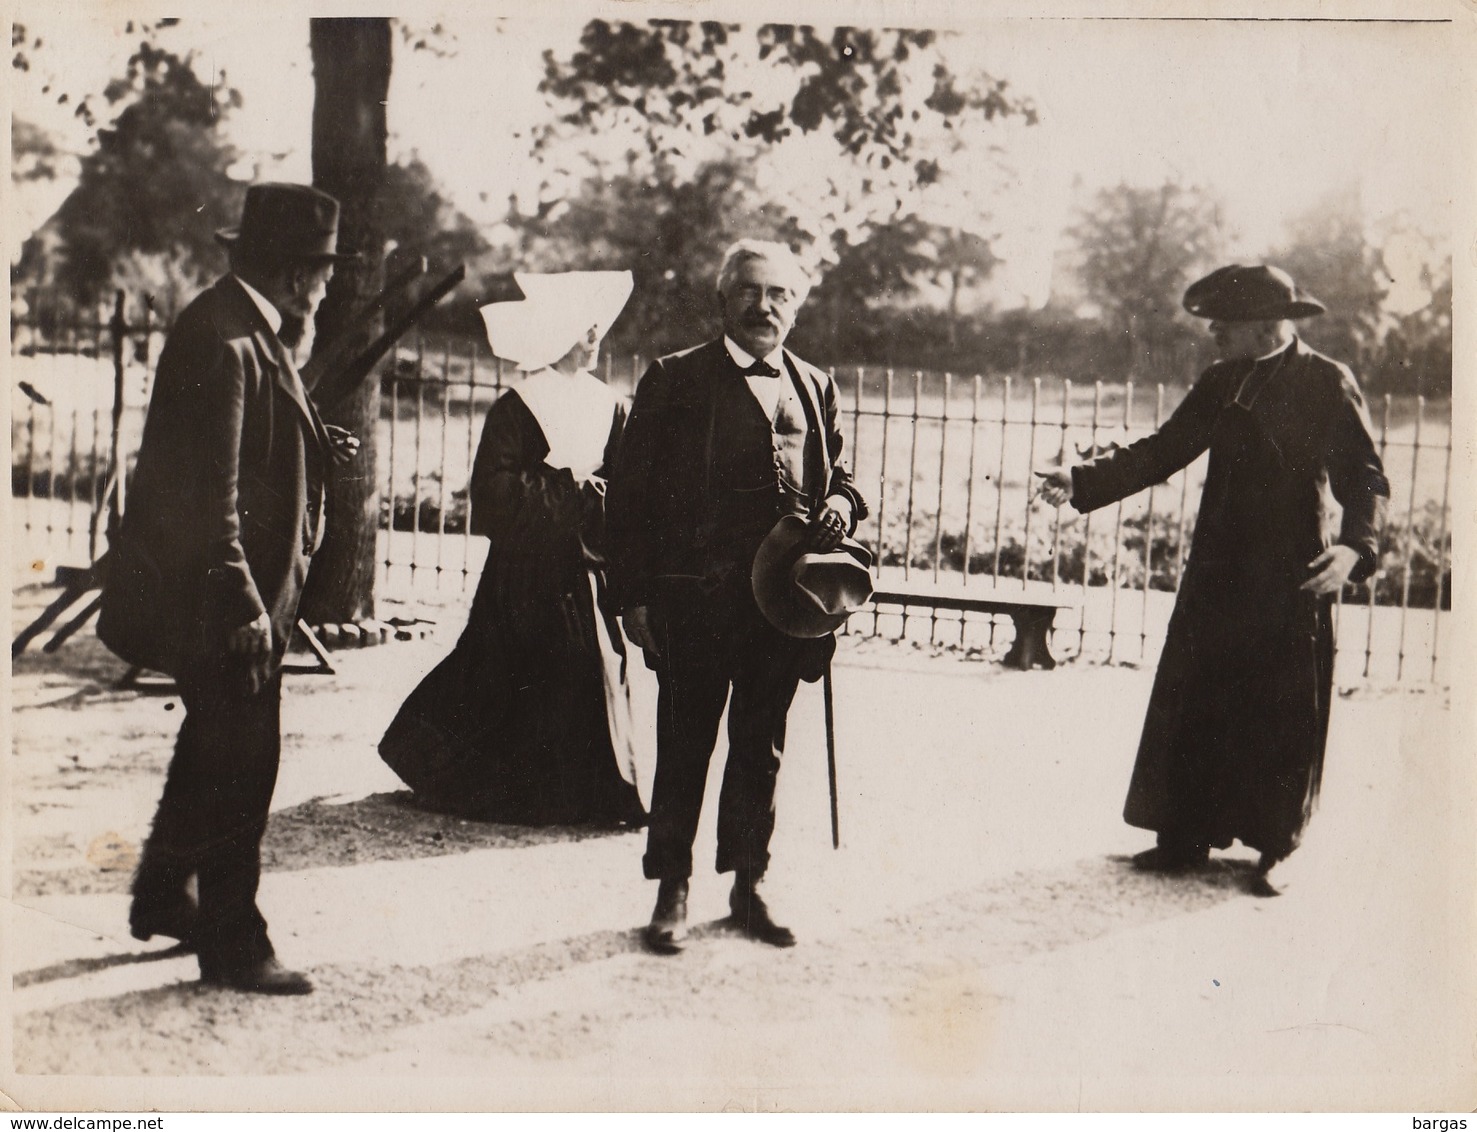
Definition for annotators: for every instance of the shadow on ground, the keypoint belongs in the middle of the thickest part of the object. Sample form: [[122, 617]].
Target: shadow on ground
[[395, 827], [1228, 874], [80, 668], [361, 1010], [76, 968], [321, 833]]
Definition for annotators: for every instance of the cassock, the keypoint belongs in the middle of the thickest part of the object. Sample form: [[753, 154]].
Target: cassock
[[1233, 743]]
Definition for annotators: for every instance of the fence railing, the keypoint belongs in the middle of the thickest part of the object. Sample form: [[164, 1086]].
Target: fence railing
[[945, 461], [950, 464]]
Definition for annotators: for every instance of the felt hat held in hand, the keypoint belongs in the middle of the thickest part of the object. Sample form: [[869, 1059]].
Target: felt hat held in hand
[[803, 593]]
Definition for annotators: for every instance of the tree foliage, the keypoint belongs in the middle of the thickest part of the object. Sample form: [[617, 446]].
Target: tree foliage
[[1138, 248], [670, 78], [1333, 253], [670, 232], [960, 259], [853, 311], [671, 138], [871, 297], [34, 156], [29, 56], [420, 219], [886, 104], [1329, 255], [1415, 356], [155, 188]]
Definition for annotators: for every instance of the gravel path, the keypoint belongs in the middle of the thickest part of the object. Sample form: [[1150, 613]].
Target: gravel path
[[979, 942]]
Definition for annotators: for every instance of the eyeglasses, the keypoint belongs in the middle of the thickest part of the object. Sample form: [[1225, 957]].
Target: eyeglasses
[[752, 293]]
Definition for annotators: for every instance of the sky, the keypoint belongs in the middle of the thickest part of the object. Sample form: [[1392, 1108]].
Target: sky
[[1272, 115]]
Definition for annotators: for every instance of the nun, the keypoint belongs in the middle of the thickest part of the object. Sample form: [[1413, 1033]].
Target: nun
[[528, 720]]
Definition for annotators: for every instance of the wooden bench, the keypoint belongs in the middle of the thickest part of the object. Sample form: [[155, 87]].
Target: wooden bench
[[1032, 607]]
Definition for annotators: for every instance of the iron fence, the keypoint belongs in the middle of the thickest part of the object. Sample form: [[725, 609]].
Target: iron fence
[[949, 464], [79, 386], [945, 460]]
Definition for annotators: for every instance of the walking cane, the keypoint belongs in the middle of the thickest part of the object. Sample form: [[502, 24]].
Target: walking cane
[[831, 757]]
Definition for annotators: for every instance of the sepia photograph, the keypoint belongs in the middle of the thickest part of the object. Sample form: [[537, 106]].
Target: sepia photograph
[[626, 557]]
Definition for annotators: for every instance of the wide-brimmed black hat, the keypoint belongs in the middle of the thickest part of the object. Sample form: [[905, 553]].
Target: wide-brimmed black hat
[[1249, 294], [288, 222], [803, 593]]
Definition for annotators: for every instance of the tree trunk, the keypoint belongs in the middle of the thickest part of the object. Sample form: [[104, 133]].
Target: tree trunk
[[351, 81]]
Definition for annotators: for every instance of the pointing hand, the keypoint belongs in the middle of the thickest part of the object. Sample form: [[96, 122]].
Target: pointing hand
[[1056, 485]]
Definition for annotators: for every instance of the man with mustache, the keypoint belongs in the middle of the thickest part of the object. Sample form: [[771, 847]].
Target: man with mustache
[[1238, 718], [723, 440]]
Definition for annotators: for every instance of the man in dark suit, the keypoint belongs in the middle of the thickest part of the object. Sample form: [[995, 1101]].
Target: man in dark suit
[[722, 441], [1294, 496], [225, 510]]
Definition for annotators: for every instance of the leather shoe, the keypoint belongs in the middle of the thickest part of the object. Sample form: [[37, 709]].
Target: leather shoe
[[753, 918], [177, 921], [264, 977], [667, 932], [1171, 858]]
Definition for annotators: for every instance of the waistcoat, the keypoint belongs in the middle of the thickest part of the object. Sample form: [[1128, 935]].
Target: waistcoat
[[759, 468]]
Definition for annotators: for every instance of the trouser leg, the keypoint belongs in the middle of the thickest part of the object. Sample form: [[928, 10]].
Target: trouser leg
[[213, 812], [764, 685], [169, 857], [692, 688]]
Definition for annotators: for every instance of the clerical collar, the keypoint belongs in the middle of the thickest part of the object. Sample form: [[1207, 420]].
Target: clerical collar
[[776, 358], [1258, 375], [263, 304]]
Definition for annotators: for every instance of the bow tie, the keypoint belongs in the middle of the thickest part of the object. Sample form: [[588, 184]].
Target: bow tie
[[760, 368]]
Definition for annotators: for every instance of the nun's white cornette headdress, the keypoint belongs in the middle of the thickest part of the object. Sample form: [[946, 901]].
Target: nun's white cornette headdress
[[556, 312]]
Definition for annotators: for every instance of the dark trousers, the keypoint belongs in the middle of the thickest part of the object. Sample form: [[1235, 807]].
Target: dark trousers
[[213, 812], [709, 646]]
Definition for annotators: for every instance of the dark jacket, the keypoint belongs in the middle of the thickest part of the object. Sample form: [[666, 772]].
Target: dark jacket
[[223, 510], [697, 483], [546, 533], [1233, 742], [1322, 459]]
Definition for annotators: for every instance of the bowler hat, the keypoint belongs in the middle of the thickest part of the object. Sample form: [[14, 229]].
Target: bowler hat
[[1249, 294], [287, 222], [803, 593]]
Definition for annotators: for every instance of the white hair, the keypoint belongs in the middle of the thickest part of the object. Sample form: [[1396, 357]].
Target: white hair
[[770, 251]]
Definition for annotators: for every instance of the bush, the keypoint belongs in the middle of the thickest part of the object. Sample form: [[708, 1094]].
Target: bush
[[82, 477], [1429, 554], [1430, 562], [406, 515]]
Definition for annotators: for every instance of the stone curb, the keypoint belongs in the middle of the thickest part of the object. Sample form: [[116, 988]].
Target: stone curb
[[363, 634]]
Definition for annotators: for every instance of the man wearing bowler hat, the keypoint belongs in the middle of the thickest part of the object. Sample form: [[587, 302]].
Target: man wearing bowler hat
[[724, 440], [224, 511], [1233, 744]]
